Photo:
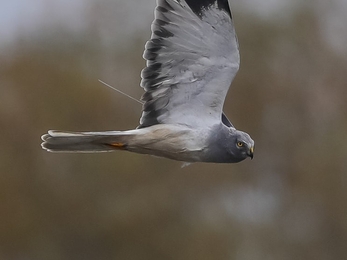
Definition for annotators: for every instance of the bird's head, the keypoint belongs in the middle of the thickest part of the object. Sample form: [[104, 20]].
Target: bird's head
[[240, 145]]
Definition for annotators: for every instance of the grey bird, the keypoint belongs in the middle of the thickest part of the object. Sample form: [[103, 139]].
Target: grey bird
[[192, 58]]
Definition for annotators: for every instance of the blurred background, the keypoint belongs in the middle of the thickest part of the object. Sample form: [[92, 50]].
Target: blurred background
[[290, 95]]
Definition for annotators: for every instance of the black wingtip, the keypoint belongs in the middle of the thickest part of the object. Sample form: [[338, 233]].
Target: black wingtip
[[198, 6]]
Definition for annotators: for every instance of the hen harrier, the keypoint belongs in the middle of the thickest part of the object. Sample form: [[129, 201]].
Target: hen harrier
[[192, 58]]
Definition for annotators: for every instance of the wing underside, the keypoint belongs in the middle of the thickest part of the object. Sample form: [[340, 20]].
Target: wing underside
[[192, 58]]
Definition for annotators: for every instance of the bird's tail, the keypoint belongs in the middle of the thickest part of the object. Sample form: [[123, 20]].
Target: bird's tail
[[85, 142]]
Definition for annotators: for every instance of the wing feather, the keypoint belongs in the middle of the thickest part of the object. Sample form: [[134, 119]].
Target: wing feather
[[192, 58]]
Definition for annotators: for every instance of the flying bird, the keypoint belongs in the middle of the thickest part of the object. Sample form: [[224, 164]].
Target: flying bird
[[191, 60]]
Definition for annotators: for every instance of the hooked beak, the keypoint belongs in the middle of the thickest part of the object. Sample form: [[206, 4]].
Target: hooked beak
[[250, 153]]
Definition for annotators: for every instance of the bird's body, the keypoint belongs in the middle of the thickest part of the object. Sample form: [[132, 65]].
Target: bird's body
[[192, 58], [161, 140]]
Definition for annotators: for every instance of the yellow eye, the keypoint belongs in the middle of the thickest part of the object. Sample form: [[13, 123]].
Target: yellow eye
[[240, 144]]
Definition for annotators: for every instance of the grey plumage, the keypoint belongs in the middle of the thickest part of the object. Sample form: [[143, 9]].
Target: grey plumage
[[192, 58]]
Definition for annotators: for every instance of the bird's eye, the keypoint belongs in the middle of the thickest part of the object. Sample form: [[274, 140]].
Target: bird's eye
[[240, 144]]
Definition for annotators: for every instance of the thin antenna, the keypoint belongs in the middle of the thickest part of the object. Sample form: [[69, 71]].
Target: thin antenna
[[107, 85]]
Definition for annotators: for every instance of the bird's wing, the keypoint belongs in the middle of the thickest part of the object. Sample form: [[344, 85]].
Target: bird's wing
[[226, 121], [192, 58]]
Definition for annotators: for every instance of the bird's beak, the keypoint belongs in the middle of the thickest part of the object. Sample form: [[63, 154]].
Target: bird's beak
[[250, 153]]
